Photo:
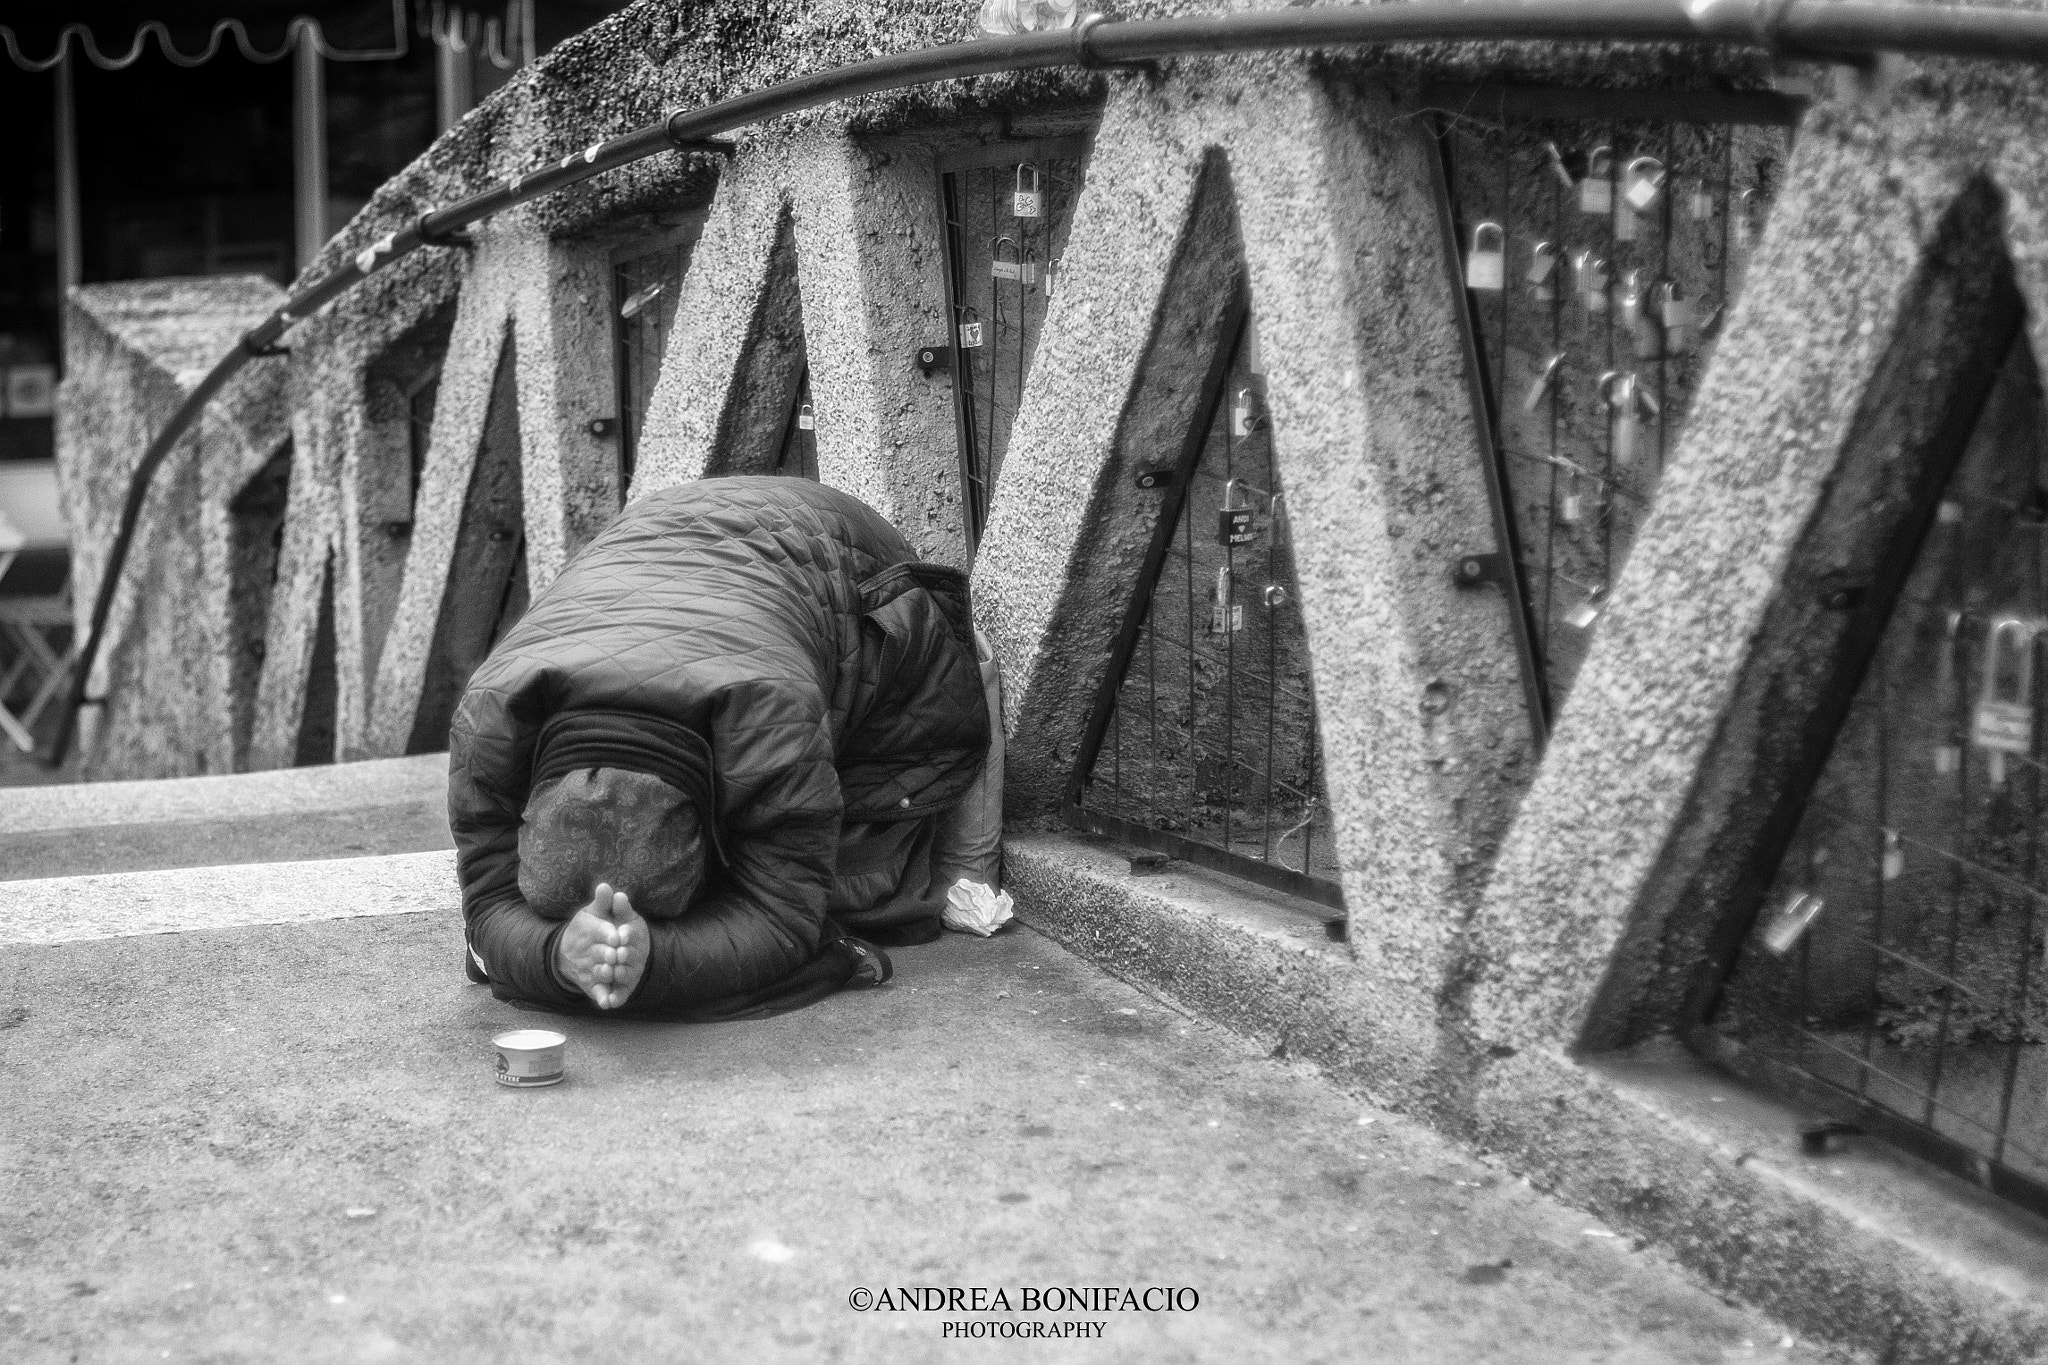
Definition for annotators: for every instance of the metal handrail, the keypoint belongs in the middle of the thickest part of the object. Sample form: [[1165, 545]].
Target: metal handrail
[[1853, 31]]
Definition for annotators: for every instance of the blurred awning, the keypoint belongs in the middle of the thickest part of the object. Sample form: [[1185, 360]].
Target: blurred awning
[[116, 33]]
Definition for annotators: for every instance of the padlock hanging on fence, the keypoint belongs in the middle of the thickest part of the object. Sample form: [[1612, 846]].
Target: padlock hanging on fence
[[1788, 923], [2003, 722], [1553, 161], [1745, 218], [1029, 267], [806, 420], [1571, 507], [1892, 862], [970, 329], [1588, 609], [1235, 521], [1246, 416], [1676, 312], [1226, 615], [1624, 425], [1589, 279], [1545, 383], [1000, 268], [1948, 755], [1641, 183], [1596, 191], [1542, 276], [1486, 266], [1700, 201], [1639, 317], [1026, 199]]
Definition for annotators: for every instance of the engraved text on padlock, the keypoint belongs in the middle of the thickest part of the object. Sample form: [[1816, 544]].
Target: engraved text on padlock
[[970, 329], [1234, 525], [1002, 267]]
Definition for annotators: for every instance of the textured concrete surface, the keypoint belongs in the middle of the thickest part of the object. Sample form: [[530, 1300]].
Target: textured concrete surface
[[1806, 452], [132, 353], [236, 1144], [236, 796], [1881, 1252]]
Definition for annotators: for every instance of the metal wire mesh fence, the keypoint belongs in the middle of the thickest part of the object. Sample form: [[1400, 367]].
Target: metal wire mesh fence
[[1207, 745], [1007, 209], [1896, 963], [1601, 249]]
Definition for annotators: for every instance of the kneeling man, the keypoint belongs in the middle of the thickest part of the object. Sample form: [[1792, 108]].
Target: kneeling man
[[711, 757]]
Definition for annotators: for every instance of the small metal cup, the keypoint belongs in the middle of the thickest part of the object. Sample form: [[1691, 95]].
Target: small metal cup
[[530, 1057]]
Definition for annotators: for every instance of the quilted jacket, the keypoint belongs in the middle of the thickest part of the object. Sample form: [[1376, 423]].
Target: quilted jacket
[[833, 674]]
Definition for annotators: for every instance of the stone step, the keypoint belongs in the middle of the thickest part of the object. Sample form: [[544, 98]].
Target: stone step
[[343, 810]]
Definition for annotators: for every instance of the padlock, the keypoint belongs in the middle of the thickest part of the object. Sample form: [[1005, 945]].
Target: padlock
[[1794, 915], [1542, 276], [1701, 202], [1894, 861], [1012, 269], [805, 420], [1592, 280], [1487, 267], [1625, 427], [641, 298], [1051, 267], [1226, 616], [1025, 199], [1029, 267], [1276, 596], [1546, 383], [1587, 611], [1949, 512], [1571, 506], [1677, 313], [1948, 755], [1596, 191], [1554, 159], [970, 329], [1641, 316], [1235, 524], [2003, 722], [1276, 523], [1642, 183], [1745, 217], [1245, 415]]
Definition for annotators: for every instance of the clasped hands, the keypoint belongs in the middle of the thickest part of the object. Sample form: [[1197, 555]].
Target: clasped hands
[[603, 949]]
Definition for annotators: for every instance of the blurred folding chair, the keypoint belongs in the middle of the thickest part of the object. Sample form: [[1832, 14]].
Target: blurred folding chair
[[34, 615]]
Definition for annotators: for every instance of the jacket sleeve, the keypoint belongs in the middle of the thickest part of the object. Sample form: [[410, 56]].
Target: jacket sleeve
[[763, 916], [490, 748]]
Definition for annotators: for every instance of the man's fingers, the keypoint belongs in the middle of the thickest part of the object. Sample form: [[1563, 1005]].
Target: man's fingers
[[623, 911]]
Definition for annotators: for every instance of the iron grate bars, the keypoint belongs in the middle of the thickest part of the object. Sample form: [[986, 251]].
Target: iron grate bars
[[1204, 743], [1896, 967]]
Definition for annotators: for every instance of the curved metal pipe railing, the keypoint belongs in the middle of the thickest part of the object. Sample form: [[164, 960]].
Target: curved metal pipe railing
[[1853, 31]]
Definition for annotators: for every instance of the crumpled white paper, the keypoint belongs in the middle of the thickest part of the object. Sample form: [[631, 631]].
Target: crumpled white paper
[[976, 908]]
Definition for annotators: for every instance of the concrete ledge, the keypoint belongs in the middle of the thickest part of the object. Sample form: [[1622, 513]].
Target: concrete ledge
[[338, 786], [1868, 1247], [81, 909]]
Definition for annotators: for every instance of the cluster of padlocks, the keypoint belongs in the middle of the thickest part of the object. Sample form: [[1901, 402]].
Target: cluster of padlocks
[[1594, 277], [1237, 520], [1014, 259]]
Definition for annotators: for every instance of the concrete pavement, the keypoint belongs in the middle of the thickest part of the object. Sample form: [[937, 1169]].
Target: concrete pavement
[[284, 1142]]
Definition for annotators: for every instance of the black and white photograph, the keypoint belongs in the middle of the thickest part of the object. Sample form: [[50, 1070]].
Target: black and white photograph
[[1334, 681]]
